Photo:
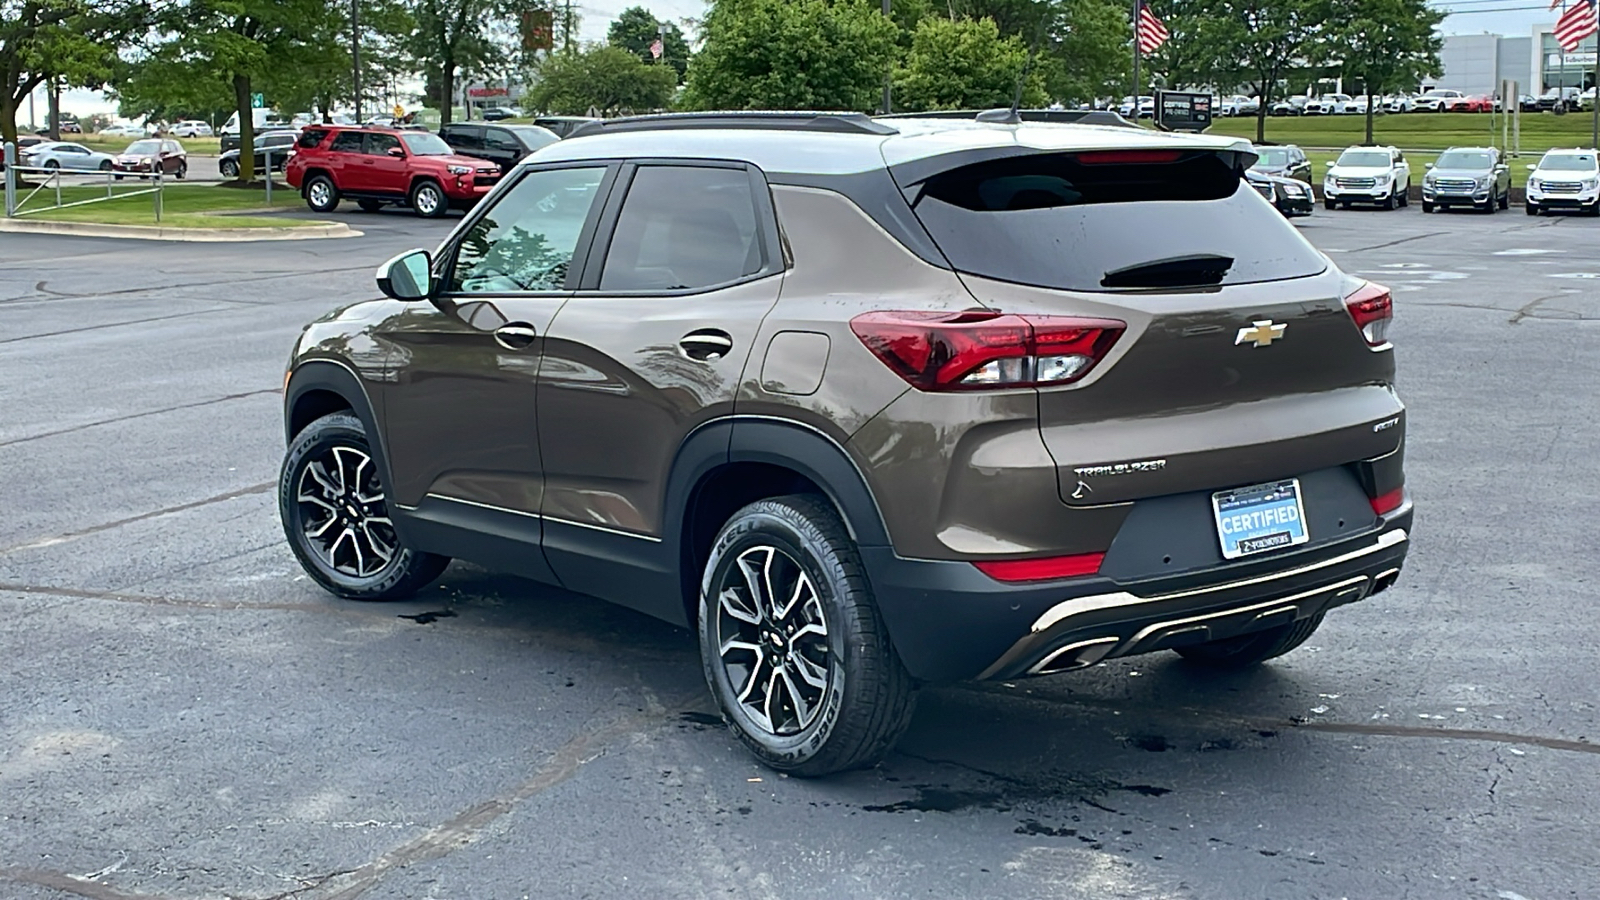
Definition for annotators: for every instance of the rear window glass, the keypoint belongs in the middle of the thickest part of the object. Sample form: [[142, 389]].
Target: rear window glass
[[311, 137], [1102, 221]]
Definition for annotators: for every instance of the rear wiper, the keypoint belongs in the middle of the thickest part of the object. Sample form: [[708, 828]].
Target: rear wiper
[[1179, 271]]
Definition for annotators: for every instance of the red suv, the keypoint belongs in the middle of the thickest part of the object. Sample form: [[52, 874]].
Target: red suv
[[374, 166]]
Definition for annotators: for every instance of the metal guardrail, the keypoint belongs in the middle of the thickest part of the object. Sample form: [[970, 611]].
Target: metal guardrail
[[16, 199]]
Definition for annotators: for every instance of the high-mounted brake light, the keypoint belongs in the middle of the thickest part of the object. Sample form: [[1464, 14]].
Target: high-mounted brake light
[[974, 350], [1046, 569], [1372, 307], [1127, 157]]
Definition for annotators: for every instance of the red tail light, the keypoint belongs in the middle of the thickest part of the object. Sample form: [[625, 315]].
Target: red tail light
[[1387, 503], [1128, 157], [976, 350], [1045, 569], [1372, 307]]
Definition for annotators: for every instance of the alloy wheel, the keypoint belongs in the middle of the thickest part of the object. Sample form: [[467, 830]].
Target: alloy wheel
[[342, 512], [772, 639], [321, 193], [427, 200]]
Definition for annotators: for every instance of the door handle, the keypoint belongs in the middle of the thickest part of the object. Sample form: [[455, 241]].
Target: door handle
[[515, 335], [706, 345]]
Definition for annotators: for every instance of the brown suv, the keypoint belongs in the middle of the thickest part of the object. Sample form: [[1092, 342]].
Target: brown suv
[[867, 403]]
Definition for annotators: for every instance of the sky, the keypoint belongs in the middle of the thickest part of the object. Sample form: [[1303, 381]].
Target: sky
[[1508, 17]]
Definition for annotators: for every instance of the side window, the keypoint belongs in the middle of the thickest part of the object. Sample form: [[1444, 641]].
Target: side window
[[526, 241], [683, 228], [347, 142], [311, 137], [381, 144], [464, 137], [496, 139]]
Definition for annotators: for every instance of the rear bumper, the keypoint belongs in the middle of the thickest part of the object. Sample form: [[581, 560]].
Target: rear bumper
[[949, 622]]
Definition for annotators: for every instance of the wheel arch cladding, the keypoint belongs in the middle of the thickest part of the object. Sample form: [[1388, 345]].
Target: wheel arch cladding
[[729, 464]]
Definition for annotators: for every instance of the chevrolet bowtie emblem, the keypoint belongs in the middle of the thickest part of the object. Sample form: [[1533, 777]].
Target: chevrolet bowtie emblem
[[1261, 333]]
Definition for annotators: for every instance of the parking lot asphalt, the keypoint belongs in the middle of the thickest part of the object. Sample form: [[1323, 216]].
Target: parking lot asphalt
[[185, 716]]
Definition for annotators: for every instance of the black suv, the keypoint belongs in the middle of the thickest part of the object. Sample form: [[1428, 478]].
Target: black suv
[[504, 145], [867, 404]]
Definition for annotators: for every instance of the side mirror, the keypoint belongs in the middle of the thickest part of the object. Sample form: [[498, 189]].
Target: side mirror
[[407, 277], [397, 153], [1532, 167], [1427, 165]]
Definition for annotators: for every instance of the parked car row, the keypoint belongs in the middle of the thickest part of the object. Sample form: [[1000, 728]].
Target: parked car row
[[142, 157]]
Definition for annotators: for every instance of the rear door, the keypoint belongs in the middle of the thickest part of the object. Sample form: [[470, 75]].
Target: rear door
[[652, 345], [346, 161], [500, 146], [1239, 363]]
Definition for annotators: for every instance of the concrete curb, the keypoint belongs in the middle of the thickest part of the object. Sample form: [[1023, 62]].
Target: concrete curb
[[159, 233]]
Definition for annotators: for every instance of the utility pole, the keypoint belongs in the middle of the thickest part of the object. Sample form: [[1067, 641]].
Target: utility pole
[[1136, 5], [355, 53], [566, 26], [888, 77], [1596, 85]]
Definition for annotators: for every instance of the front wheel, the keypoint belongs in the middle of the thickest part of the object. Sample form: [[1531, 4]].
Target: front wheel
[[1505, 199], [229, 169], [792, 644], [1247, 650], [1531, 209], [183, 170], [105, 166], [427, 198], [336, 516], [1426, 207], [1330, 204]]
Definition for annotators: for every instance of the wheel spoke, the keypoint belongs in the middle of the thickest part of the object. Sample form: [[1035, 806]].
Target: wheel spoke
[[733, 605], [802, 709], [304, 497], [754, 580], [809, 628], [732, 644], [379, 548], [323, 528], [809, 672], [333, 548], [753, 678], [801, 585], [319, 474], [772, 694]]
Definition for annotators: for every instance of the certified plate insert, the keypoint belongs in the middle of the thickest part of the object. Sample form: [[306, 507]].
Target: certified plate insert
[[1259, 518]]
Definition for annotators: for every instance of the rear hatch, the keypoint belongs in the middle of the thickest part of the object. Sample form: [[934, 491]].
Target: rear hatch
[[1240, 363]]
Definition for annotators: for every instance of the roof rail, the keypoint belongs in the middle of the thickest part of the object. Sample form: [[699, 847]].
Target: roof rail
[[1060, 116], [834, 122]]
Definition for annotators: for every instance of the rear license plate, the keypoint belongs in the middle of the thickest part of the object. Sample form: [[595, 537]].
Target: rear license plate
[[1259, 518]]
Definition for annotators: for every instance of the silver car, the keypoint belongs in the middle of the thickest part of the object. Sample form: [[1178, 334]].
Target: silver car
[[66, 155]]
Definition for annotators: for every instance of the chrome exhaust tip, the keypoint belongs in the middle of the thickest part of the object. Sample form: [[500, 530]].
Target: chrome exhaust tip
[[1384, 580]]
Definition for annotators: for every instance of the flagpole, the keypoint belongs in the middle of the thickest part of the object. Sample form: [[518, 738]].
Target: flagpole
[[1136, 5], [1596, 136]]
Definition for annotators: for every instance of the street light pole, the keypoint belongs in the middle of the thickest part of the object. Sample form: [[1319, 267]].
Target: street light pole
[[355, 53]]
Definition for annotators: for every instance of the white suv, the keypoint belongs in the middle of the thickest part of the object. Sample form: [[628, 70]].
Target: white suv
[[191, 128], [1435, 100], [1565, 179], [1378, 175], [1330, 105]]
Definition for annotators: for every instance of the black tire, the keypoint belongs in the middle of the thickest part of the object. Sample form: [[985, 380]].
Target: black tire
[[1488, 207], [105, 166], [183, 170], [229, 168], [321, 194], [117, 177], [1592, 210], [428, 200], [52, 164], [370, 205], [352, 497], [1330, 204], [1388, 202], [1405, 196], [1426, 207], [1505, 199], [1247, 650], [866, 697], [1531, 209]]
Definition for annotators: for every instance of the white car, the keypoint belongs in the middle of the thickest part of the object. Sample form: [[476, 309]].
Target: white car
[[123, 131], [1435, 100], [1238, 105], [1565, 179], [1378, 175], [191, 128], [1399, 103], [1329, 105], [66, 155]]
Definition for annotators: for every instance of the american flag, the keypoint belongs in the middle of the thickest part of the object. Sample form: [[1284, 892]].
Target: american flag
[[1578, 21], [657, 48], [1153, 34]]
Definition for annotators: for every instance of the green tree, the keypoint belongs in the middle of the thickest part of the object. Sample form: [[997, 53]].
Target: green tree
[[791, 54], [964, 64], [1083, 44], [1255, 42], [215, 48], [637, 28], [71, 40], [1386, 44], [453, 36], [610, 79]]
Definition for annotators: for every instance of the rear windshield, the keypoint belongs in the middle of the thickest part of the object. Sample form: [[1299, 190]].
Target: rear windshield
[[1094, 222]]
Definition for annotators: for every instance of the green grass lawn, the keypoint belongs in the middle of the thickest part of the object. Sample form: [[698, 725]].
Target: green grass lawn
[[182, 206], [200, 146], [1417, 131]]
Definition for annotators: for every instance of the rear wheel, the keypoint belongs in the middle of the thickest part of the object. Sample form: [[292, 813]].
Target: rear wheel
[[336, 516], [321, 195], [1250, 649], [427, 198], [105, 166], [792, 645]]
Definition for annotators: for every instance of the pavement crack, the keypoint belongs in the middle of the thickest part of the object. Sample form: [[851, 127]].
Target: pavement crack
[[1415, 237], [67, 884], [138, 415], [182, 315], [261, 488], [1528, 308]]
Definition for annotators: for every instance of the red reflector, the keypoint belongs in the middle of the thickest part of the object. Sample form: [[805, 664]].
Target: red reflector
[[1385, 503], [971, 350], [1372, 308], [1128, 157], [1041, 569]]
